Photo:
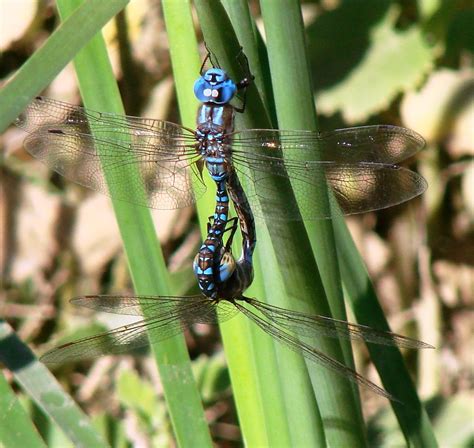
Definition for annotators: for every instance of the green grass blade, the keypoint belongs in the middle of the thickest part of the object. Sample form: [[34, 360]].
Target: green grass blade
[[301, 413], [288, 410], [411, 415], [186, 63], [290, 73], [299, 270], [53, 56], [302, 419], [237, 333], [149, 274], [44, 390], [16, 428], [412, 418]]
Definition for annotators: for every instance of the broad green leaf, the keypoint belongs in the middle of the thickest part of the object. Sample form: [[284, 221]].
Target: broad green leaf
[[380, 62]]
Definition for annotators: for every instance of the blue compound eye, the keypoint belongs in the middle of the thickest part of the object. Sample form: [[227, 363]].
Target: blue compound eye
[[214, 87], [215, 75]]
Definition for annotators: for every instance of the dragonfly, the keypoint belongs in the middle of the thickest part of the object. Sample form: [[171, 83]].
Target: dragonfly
[[222, 281], [79, 143], [360, 164], [167, 316]]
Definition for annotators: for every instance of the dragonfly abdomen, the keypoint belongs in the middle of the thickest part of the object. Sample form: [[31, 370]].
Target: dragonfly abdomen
[[211, 251]]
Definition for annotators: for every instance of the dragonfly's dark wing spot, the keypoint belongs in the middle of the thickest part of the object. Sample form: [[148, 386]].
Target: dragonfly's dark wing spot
[[133, 159]]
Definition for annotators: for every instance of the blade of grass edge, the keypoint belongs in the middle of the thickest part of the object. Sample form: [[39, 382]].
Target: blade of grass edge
[[389, 363], [150, 277], [42, 387], [290, 73], [16, 427], [411, 414]]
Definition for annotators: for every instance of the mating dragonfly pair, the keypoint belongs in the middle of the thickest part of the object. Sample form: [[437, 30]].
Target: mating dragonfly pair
[[358, 164]]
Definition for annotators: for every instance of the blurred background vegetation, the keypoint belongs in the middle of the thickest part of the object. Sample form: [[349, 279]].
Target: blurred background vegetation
[[399, 62]]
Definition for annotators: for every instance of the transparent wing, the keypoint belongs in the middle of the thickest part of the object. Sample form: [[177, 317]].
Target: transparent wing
[[314, 325], [312, 354], [170, 315], [370, 144], [357, 163], [82, 145]]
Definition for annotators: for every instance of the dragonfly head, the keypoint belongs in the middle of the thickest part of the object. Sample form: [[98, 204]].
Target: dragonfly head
[[214, 86]]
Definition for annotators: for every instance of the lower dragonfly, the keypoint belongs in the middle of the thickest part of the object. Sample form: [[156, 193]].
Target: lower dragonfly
[[222, 280]]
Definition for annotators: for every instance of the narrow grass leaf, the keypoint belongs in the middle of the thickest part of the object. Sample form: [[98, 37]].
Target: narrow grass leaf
[[16, 427], [45, 64], [37, 381], [287, 402], [149, 274], [411, 414], [289, 72]]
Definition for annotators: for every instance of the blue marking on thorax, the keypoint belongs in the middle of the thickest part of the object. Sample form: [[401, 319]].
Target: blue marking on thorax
[[201, 118], [218, 116]]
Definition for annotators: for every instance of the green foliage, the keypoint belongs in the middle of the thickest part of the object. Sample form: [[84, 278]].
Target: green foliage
[[381, 63], [16, 428], [366, 57]]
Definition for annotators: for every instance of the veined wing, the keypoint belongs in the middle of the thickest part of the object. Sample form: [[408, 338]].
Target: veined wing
[[83, 145], [169, 316], [357, 163], [364, 144], [312, 353], [314, 325]]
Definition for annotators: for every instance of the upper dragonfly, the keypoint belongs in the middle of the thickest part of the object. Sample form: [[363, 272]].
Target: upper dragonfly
[[91, 148]]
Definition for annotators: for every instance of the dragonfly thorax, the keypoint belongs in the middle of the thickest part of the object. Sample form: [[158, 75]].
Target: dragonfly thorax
[[214, 124]]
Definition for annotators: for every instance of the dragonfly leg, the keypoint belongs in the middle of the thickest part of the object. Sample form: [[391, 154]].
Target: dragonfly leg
[[243, 62], [208, 56], [211, 57], [210, 220], [232, 228]]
